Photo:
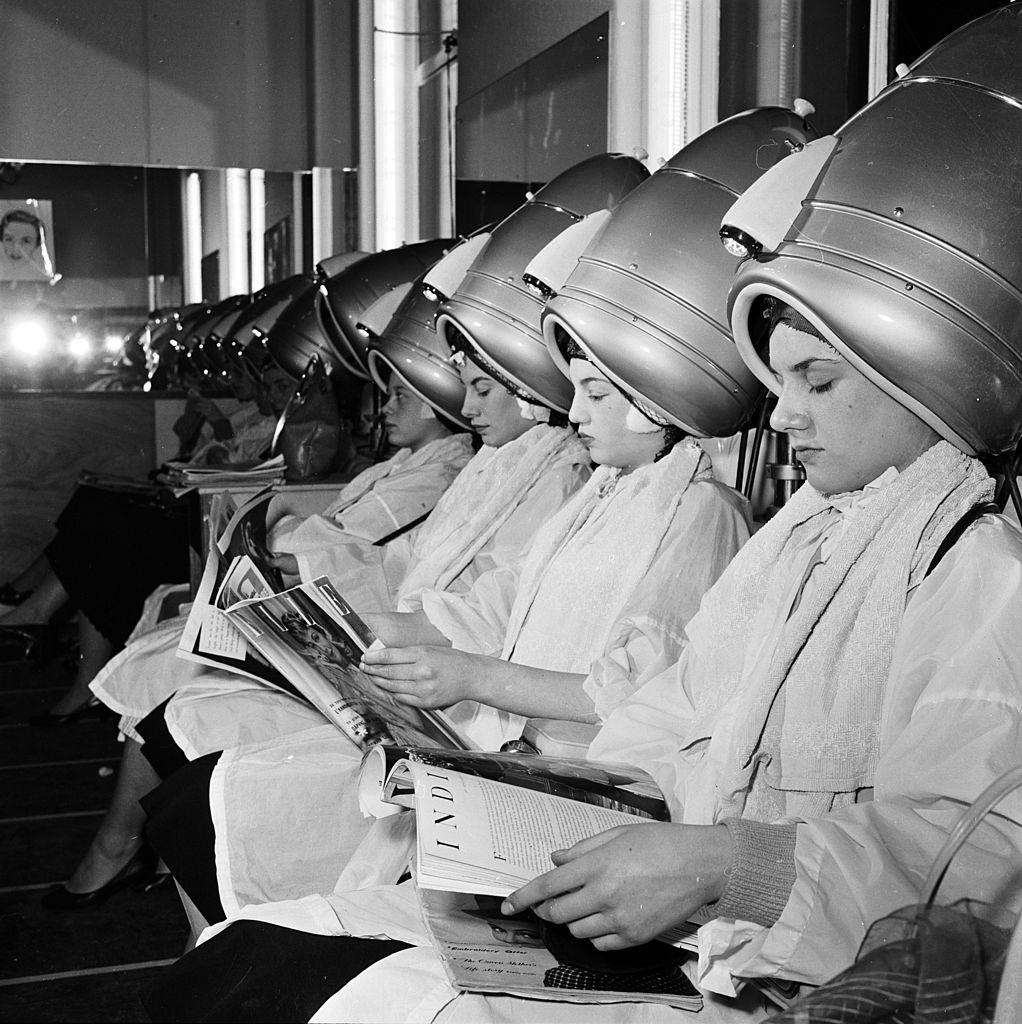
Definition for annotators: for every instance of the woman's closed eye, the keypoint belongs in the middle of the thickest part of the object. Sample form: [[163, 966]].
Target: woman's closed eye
[[820, 387]]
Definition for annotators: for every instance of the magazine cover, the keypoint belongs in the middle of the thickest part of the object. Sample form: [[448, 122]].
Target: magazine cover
[[484, 951], [315, 640], [386, 780]]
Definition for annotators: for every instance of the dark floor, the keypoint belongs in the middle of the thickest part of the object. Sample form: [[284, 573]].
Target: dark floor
[[83, 965]]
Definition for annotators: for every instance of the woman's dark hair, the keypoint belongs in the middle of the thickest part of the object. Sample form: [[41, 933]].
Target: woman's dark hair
[[571, 349], [672, 435], [459, 343], [775, 312]]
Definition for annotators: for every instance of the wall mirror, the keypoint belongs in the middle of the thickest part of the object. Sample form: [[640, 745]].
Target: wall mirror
[[87, 251]]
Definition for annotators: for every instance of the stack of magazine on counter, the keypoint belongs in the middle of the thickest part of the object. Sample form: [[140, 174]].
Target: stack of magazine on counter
[[485, 823], [184, 475]]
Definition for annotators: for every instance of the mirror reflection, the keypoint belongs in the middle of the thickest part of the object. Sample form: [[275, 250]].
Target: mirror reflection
[[90, 253]]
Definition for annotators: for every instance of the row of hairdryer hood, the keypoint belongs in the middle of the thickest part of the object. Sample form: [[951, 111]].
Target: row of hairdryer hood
[[897, 237]]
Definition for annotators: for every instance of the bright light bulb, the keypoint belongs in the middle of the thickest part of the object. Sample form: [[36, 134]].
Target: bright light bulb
[[113, 343], [80, 346], [29, 337]]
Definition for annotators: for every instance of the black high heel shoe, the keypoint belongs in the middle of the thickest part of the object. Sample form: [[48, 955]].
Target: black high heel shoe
[[138, 874], [10, 595], [91, 709], [19, 643]]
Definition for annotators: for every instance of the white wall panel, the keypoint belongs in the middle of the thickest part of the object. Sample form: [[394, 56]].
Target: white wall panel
[[188, 83], [73, 81]]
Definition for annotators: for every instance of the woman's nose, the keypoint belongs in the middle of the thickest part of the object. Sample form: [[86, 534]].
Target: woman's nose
[[787, 414], [469, 407], [576, 412]]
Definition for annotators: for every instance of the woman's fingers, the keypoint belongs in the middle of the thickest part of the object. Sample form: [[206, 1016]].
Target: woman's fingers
[[583, 846], [543, 888], [392, 656]]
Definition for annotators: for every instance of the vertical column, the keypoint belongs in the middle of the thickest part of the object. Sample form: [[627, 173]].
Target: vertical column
[[297, 221], [627, 115], [446, 213], [879, 42], [323, 244], [397, 123], [664, 61], [192, 206], [700, 44], [366, 128], [257, 228], [779, 43], [234, 274]]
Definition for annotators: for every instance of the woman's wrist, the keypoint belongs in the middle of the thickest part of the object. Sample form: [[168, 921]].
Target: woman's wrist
[[761, 874]]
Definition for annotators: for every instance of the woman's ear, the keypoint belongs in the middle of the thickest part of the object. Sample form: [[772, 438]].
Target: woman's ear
[[638, 423]]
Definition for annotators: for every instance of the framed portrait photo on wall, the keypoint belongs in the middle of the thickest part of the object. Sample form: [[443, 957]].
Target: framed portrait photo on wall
[[26, 240]]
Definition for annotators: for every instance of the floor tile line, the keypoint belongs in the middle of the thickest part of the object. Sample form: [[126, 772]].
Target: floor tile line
[[5, 889], [33, 689], [85, 972], [51, 817], [59, 764]]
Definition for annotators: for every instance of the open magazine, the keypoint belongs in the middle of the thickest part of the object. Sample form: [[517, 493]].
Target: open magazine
[[305, 640], [487, 822], [485, 825]]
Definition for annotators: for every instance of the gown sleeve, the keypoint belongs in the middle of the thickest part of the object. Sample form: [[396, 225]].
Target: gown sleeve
[[476, 621], [952, 724], [649, 636]]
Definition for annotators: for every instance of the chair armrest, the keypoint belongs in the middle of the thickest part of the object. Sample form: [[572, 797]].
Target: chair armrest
[[557, 738]]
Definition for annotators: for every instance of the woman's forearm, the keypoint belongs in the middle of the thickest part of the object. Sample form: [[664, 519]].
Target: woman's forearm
[[405, 629], [534, 692]]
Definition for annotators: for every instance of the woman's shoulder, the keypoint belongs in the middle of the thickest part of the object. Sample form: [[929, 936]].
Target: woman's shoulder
[[990, 548], [710, 494]]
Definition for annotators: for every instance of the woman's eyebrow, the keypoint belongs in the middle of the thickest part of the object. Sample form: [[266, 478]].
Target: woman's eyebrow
[[474, 382], [594, 380], [805, 364]]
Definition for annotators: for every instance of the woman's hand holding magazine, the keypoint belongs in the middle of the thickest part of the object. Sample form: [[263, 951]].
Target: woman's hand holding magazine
[[487, 823], [625, 886], [427, 677]]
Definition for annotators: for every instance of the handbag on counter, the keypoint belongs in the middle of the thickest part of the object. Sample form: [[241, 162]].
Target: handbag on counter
[[309, 431]]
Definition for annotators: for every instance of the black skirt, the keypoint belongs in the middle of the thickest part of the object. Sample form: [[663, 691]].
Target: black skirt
[[113, 549], [253, 971], [180, 829]]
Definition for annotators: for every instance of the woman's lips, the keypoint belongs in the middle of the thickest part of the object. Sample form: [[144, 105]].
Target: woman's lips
[[806, 454]]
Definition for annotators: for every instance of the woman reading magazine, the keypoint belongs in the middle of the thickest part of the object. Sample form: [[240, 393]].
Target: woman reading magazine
[[852, 681], [652, 521], [522, 474]]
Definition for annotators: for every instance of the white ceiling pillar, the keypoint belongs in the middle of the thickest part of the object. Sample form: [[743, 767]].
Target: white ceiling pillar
[[396, 111], [663, 85]]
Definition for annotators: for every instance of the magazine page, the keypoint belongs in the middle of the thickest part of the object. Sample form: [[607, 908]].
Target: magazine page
[[319, 651], [386, 782], [484, 951], [230, 575], [481, 836]]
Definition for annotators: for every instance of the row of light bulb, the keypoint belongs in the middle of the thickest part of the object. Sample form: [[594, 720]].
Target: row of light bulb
[[32, 339]]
